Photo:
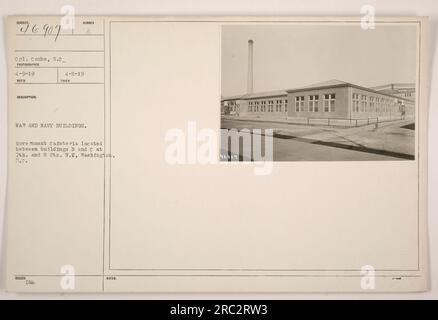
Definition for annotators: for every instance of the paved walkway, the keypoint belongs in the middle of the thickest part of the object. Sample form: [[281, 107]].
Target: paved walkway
[[390, 140], [319, 122]]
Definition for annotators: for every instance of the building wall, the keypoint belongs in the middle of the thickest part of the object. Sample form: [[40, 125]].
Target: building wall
[[402, 93], [269, 107], [243, 107], [341, 109], [349, 103], [372, 105], [232, 107], [406, 91]]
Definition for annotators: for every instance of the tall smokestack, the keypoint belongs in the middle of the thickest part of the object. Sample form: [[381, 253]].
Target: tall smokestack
[[250, 67]]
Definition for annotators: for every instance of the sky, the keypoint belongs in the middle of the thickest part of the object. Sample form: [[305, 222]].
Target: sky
[[291, 56]]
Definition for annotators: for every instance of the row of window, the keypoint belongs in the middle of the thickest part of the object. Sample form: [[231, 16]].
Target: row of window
[[363, 103], [261, 106], [329, 103]]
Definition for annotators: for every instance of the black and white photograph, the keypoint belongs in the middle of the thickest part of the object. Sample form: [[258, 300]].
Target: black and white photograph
[[321, 92], [239, 154]]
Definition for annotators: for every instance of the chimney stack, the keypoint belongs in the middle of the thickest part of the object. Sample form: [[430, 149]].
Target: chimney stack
[[250, 67]]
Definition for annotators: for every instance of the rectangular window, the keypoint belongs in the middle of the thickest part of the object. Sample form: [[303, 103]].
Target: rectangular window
[[299, 104], [271, 106], [278, 106], [355, 102], [363, 99], [313, 103], [329, 102], [285, 105], [371, 104]]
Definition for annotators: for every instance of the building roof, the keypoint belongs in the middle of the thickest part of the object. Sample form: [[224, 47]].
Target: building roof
[[324, 84], [236, 97], [266, 94], [333, 83], [338, 83], [394, 86]]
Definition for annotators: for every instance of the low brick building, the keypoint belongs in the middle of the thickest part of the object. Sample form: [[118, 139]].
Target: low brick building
[[332, 99]]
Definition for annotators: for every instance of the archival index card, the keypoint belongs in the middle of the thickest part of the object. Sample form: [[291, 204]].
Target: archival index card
[[244, 154]]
